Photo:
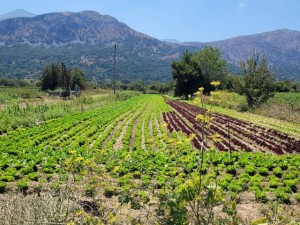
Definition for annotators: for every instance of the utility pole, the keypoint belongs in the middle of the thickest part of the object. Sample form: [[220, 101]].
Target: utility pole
[[114, 69]]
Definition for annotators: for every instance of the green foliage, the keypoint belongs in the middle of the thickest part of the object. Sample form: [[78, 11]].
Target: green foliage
[[250, 169], [258, 81], [7, 178], [90, 190], [260, 221], [7, 82], [261, 196], [187, 75], [23, 184], [77, 77], [199, 70], [151, 164], [213, 68], [51, 77], [3, 186], [281, 195], [277, 171], [283, 86], [274, 182], [263, 171], [33, 176]]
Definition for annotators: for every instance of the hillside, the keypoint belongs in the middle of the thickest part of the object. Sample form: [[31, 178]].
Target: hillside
[[86, 39], [282, 48], [16, 13]]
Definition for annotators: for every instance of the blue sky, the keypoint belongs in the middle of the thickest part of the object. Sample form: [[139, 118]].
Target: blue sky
[[184, 20]]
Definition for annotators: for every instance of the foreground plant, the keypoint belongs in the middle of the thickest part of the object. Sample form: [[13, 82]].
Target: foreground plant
[[196, 199]]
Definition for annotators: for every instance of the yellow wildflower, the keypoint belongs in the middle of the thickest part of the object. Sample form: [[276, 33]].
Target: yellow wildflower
[[72, 152], [215, 138], [191, 137], [215, 83], [78, 159], [164, 125]]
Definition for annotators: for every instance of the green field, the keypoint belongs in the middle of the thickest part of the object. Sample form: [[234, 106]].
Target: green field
[[124, 151]]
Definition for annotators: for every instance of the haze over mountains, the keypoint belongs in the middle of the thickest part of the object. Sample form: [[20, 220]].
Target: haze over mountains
[[86, 40], [16, 13]]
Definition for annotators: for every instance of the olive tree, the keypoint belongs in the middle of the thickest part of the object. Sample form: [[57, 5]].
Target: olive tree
[[258, 85]]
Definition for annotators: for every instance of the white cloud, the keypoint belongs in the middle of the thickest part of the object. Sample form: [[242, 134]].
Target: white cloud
[[243, 3]]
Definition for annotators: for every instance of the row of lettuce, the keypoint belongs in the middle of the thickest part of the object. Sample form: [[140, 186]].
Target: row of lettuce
[[131, 141]]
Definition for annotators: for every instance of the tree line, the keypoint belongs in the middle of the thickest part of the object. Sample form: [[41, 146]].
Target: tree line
[[52, 78], [199, 69]]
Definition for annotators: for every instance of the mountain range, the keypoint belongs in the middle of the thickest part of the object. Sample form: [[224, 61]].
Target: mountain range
[[87, 39], [17, 13]]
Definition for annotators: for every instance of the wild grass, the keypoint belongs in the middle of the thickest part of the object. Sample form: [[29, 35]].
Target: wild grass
[[17, 111], [35, 209], [283, 106]]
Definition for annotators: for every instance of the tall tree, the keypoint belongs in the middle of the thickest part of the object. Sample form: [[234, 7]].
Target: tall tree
[[258, 83], [51, 77], [213, 67], [187, 75], [77, 77]]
